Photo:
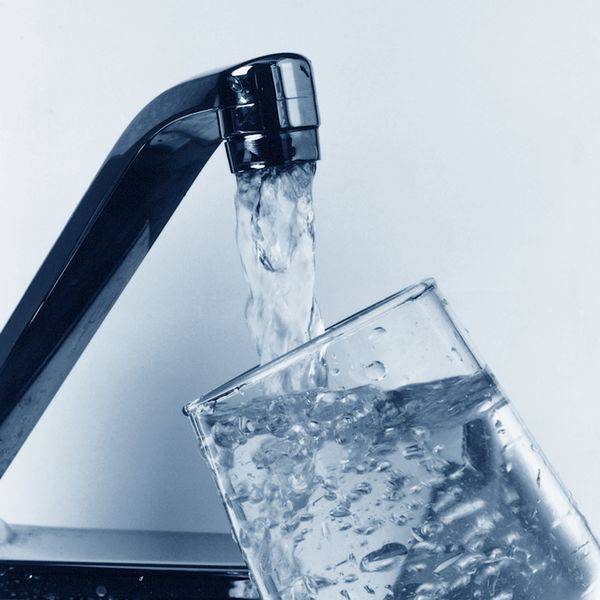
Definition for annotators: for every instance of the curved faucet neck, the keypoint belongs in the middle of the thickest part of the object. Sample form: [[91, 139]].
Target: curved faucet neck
[[265, 109]]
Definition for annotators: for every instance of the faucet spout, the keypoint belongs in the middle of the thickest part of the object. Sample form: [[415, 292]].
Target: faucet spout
[[266, 112]]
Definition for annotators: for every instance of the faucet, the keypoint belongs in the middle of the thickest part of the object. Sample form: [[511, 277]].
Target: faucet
[[266, 112]]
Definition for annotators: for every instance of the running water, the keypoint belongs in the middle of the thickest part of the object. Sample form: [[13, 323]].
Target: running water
[[276, 239], [275, 236], [430, 491]]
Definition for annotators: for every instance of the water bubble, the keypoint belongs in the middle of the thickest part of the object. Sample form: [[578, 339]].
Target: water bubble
[[416, 567], [289, 526], [372, 525], [326, 407], [376, 334], [226, 433], [246, 426], [344, 430], [413, 451], [278, 422], [430, 590], [340, 511], [398, 519], [457, 353], [363, 488], [431, 529], [320, 582], [384, 558], [313, 428], [101, 591], [395, 486], [375, 371], [420, 433]]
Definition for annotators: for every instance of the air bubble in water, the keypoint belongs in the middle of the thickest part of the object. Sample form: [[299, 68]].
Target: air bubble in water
[[384, 558], [375, 371], [326, 406], [100, 591]]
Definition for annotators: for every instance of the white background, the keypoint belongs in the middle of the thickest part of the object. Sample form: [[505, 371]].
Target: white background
[[460, 140]]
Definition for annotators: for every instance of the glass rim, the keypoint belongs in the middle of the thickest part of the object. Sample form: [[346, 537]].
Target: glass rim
[[345, 326]]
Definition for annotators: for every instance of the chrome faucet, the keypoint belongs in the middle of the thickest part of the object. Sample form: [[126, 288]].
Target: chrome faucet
[[266, 112]]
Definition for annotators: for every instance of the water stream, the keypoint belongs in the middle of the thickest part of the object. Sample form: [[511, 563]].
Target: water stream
[[275, 236]]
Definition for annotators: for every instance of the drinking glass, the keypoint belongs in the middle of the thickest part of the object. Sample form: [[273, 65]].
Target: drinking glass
[[382, 460]]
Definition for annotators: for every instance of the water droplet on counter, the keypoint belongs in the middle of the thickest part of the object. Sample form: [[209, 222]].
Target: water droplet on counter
[[384, 558]]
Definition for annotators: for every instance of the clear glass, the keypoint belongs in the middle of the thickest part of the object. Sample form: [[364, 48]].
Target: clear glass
[[404, 474]]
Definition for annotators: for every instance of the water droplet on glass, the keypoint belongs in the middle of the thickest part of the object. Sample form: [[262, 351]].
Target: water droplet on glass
[[456, 353], [375, 371], [363, 488], [376, 334], [383, 558], [398, 519], [372, 525], [101, 591], [340, 511]]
